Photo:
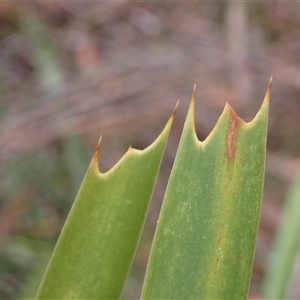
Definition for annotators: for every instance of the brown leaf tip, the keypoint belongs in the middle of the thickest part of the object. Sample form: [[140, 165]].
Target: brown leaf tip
[[96, 153], [175, 109], [270, 83], [194, 92]]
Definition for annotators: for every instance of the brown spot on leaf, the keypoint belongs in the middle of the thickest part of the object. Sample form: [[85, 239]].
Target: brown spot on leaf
[[232, 134], [217, 266], [220, 237]]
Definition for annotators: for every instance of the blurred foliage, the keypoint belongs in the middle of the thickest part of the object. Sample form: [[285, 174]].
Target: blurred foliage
[[283, 259], [36, 191], [42, 52]]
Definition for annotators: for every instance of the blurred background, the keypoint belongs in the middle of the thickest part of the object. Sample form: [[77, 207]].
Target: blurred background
[[70, 72]]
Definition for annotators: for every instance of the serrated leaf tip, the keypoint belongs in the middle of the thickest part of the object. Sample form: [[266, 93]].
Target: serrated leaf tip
[[194, 92], [175, 109], [266, 101], [271, 82], [190, 120], [268, 93], [193, 100], [95, 159]]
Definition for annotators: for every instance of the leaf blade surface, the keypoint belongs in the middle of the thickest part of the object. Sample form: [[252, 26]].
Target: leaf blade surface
[[95, 249], [204, 242]]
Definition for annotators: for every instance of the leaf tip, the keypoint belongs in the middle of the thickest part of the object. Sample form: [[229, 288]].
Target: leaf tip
[[194, 93], [94, 161], [265, 105], [271, 82], [175, 109], [192, 103], [171, 119], [268, 93], [190, 120]]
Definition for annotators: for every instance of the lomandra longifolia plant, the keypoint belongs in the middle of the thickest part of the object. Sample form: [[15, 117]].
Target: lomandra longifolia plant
[[204, 242]]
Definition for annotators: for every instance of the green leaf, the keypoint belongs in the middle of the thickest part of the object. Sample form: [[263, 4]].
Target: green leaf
[[285, 247], [95, 249], [204, 242]]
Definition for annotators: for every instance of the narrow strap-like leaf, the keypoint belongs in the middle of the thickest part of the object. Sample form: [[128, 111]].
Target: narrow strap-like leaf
[[285, 248], [94, 252], [204, 242]]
